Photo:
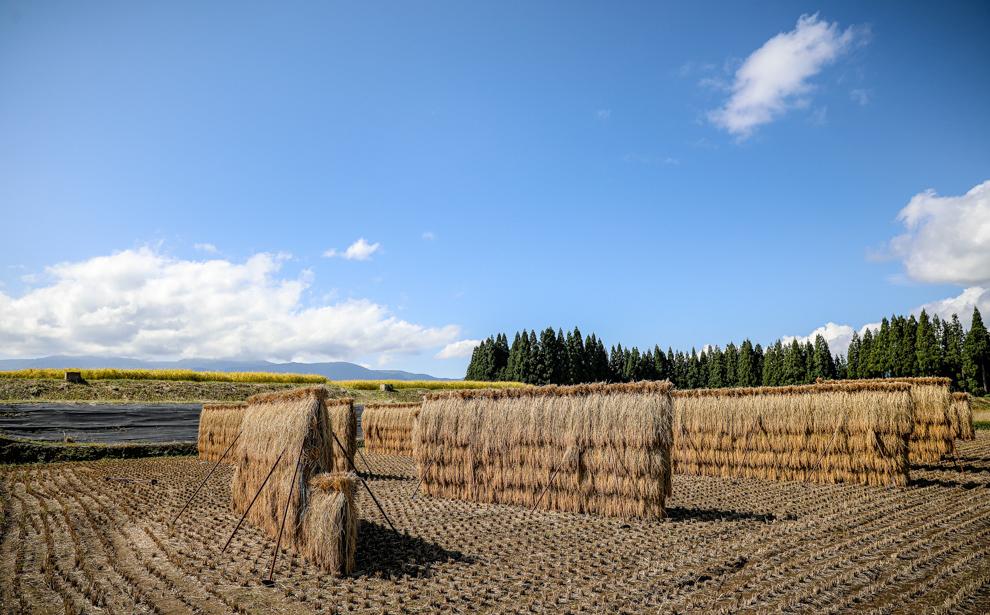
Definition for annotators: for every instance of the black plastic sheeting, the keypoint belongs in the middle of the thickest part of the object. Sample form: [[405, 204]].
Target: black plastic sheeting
[[107, 423], [104, 423]]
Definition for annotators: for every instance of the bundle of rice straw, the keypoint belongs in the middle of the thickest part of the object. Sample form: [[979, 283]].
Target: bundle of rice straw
[[218, 426], [824, 433], [298, 422], [330, 523], [963, 416], [597, 448], [388, 428], [933, 436]]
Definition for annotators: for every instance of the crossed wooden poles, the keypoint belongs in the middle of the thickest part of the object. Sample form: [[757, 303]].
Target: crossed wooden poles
[[285, 512]]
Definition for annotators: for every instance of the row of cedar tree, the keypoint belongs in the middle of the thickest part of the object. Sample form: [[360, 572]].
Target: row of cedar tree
[[900, 347]]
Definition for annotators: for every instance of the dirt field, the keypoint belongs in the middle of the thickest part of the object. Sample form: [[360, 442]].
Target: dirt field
[[76, 542]]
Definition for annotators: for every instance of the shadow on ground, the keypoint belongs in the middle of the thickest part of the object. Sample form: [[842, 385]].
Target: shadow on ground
[[677, 513], [386, 553]]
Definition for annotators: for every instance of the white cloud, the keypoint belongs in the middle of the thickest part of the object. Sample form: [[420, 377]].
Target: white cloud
[[429, 235], [947, 238], [456, 350], [209, 248], [360, 250], [962, 305], [837, 336], [603, 114], [776, 76], [140, 303]]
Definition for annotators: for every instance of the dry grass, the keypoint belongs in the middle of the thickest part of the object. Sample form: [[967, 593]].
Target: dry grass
[[932, 437], [962, 412], [388, 428], [298, 424], [219, 424], [824, 433], [601, 449], [330, 524]]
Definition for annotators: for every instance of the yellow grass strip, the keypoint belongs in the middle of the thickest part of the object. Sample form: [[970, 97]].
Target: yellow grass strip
[[166, 374]]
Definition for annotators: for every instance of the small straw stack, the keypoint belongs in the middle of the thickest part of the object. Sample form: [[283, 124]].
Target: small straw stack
[[330, 523], [602, 449], [218, 426], [388, 428], [302, 423], [823, 433], [962, 410]]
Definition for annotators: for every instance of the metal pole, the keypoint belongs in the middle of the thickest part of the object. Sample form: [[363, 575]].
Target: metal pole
[[285, 513], [212, 470], [550, 482], [253, 500], [373, 498]]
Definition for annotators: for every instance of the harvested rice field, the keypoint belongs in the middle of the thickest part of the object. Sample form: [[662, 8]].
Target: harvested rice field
[[92, 537]]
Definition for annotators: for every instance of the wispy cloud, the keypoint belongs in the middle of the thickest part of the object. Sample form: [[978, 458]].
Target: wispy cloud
[[603, 114], [209, 248], [360, 250], [860, 97], [776, 77], [429, 236]]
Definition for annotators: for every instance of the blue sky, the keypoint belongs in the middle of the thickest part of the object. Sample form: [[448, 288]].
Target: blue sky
[[175, 177]]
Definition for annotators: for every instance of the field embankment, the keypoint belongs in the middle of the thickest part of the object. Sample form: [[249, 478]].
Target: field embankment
[[981, 412], [14, 450]]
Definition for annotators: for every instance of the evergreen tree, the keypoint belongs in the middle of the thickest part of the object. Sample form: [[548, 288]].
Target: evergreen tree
[[955, 339], [823, 363], [795, 367], [731, 365], [660, 366], [926, 348], [577, 359], [716, 368], [616, 364], [746, 374], [852, 357], [976, 356]]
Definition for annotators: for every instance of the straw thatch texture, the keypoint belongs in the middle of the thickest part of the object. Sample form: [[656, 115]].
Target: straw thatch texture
[[330, 523], [388, 428], [605, 447], [301, 423], [933, 436], [218, 426], [825, 433], [963, 413]]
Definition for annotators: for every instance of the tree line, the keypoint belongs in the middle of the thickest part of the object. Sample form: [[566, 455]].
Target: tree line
[[901, 346]]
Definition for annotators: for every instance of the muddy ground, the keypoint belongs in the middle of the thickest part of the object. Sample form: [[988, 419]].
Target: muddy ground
[[74, 541]]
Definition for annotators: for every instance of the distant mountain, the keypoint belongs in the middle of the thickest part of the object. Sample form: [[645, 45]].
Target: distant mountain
[[336, 370]]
